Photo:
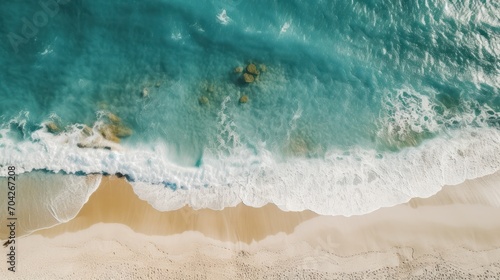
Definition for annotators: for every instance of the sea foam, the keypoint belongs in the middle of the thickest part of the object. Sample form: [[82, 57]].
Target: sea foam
[[43, 200], [342, 182]]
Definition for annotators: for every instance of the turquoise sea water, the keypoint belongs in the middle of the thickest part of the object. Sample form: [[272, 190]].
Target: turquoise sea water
[[358, 104]]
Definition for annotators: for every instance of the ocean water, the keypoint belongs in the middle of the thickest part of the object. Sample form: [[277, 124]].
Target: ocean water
[[358, 104]]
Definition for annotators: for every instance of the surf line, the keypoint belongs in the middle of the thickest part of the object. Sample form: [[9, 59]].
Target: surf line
[[11, 219]]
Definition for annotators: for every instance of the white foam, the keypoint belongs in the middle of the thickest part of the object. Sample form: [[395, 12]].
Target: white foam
[[45, 200], [223, 18], [338, 184], [176, 36], [406, 112], [284, 27]]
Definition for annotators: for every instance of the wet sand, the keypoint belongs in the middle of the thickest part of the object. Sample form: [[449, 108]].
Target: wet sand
[[115, 202]]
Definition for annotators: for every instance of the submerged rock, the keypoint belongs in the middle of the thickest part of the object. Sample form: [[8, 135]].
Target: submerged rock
[[107, 133], [52, 127], [113, 132], [244, 99], [238, 69], [263, 68], [87, 131], [121, 131], [113, 118], [298, 147], [103, 105], [145, 92], [203, 100], [81, 145], [211, 88], [252, 69], [248, 78]]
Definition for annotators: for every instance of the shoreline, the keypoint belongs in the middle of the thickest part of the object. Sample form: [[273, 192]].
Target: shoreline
[[450, 234], [114, 201], [395, 178]]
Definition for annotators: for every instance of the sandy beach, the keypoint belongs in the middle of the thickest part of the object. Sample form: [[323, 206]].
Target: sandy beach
[[454, 234]]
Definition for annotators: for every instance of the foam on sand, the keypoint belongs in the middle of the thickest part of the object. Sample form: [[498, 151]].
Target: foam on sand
[[44, 200], [115, 202]]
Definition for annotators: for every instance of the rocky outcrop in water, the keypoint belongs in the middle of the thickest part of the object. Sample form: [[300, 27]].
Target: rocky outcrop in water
[[52, 127], [248, 78], [108, 134], [114, 130], [145, 92], [203, 100], [244, 99], [114, 118], [251, 72], [252, 69]]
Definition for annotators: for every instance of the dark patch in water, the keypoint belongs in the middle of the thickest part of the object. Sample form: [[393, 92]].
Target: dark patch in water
[[172, 186]]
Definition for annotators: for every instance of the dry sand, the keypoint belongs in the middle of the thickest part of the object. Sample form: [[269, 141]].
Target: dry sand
[[454, 234]]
